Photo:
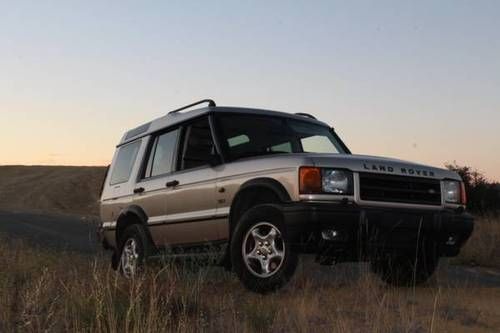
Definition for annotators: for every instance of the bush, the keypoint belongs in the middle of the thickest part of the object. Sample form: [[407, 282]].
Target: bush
[[483, 195]]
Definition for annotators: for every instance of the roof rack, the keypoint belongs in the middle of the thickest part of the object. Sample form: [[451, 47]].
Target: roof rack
[[307, 115], [209, 101]]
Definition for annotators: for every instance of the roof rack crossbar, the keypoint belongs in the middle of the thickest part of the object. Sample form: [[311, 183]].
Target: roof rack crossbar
[[209, 101], [307, 115]]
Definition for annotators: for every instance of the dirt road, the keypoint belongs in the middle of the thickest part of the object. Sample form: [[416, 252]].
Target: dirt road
[[59, 232]]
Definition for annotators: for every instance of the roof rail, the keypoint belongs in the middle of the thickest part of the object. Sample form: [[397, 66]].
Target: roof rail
[[209, 101], [307, 115]]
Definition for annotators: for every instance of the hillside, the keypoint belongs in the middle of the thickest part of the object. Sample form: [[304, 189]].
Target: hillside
[[51, 189]]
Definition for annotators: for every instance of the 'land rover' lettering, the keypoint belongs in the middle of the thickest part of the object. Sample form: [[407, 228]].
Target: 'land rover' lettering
[[405, 171]]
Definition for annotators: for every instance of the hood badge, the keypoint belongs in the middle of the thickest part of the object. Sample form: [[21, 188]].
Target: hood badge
[[404, 171]]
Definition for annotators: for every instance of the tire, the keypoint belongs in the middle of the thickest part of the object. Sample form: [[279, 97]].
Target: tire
[[406, 269], [135, 248], [261, 251]]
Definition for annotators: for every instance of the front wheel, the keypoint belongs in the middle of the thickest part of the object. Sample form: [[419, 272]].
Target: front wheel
[[406, 269], [261, 251]]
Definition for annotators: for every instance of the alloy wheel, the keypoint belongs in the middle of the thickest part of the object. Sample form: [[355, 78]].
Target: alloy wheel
[[130, 258], [263, 249]]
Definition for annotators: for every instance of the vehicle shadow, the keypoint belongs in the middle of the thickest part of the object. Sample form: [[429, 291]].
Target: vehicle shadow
[[447, 275]]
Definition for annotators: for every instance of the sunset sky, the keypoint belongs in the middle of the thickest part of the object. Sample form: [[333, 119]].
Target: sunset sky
[[414, 80]]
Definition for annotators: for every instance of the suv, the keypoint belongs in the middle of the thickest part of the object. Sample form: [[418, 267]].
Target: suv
[[258, 187]]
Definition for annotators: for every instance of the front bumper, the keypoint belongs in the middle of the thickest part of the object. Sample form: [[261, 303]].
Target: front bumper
[[356, 232]]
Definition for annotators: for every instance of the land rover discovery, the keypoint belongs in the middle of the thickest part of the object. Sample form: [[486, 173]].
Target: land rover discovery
[[257, 188]]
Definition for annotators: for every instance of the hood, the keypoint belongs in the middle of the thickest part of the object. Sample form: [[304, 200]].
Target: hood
[[383, 165]]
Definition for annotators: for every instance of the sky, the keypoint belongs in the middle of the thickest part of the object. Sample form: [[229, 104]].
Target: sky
[[416, 80]]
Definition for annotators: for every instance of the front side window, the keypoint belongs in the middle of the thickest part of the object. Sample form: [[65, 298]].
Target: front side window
[[161, 154], [124, 163], [245, 135], [199, 146]]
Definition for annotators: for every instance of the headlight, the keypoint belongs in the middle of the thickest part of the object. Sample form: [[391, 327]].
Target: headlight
[[337, 181], [313, 180], [452, 191]]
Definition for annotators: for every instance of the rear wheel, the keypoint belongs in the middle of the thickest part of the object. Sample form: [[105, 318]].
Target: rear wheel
[[261, 252], [134, 250]]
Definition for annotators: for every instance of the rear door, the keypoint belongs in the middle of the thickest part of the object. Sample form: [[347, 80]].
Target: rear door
[[151, 190]]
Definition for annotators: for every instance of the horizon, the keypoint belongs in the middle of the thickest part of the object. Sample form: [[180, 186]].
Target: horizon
[[414, 81]]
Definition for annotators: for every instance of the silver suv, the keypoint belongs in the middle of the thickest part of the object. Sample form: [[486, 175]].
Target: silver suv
[[256, 188]]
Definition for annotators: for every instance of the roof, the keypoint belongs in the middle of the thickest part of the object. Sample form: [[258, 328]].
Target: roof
[[175, 118]]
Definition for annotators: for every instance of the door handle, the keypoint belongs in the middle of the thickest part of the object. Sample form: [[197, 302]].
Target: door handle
[[139, 190], [172, 183]]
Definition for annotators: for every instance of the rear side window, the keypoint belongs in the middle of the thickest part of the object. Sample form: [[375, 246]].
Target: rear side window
[[124, 163], [160, 160]]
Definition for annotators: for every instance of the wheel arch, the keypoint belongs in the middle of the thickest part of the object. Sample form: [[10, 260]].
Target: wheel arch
[[255, 192], [129, 216]]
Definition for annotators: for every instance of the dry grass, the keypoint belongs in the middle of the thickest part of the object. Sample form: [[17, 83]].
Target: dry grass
[[51, 189], [54, 292], [483, 247]]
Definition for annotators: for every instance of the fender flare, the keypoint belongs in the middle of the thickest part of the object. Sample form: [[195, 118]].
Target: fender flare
[[133, 210], [137, 212], [266, 182]]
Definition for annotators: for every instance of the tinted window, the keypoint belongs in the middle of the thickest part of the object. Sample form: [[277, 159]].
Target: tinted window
[[198, 145], [160, 160], [317, 144], [124, 163], [238, 140], [246, 135], [282, 148]]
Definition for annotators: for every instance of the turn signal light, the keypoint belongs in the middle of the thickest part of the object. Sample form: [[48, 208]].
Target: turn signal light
[[463, 194], [309, 180]]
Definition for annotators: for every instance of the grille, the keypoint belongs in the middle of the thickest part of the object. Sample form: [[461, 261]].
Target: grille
[[401, 189]]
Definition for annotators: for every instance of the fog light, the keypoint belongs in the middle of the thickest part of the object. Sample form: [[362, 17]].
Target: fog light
[[329, 234], [452, 240]]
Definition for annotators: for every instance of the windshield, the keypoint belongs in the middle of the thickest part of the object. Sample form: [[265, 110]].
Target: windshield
[[251, 135]]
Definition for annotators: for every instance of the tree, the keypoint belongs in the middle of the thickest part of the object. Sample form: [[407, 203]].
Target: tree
[[483, 195]]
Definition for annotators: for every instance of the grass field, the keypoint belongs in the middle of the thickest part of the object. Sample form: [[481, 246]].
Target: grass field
[[51, 189], [47, 291], [483, 248]]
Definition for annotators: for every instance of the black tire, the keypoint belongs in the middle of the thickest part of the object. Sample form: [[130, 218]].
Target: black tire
[[254, 218], [407, 269], [135, 233]]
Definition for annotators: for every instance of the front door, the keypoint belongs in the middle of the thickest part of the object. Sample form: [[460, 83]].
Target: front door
[[191, 203]]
